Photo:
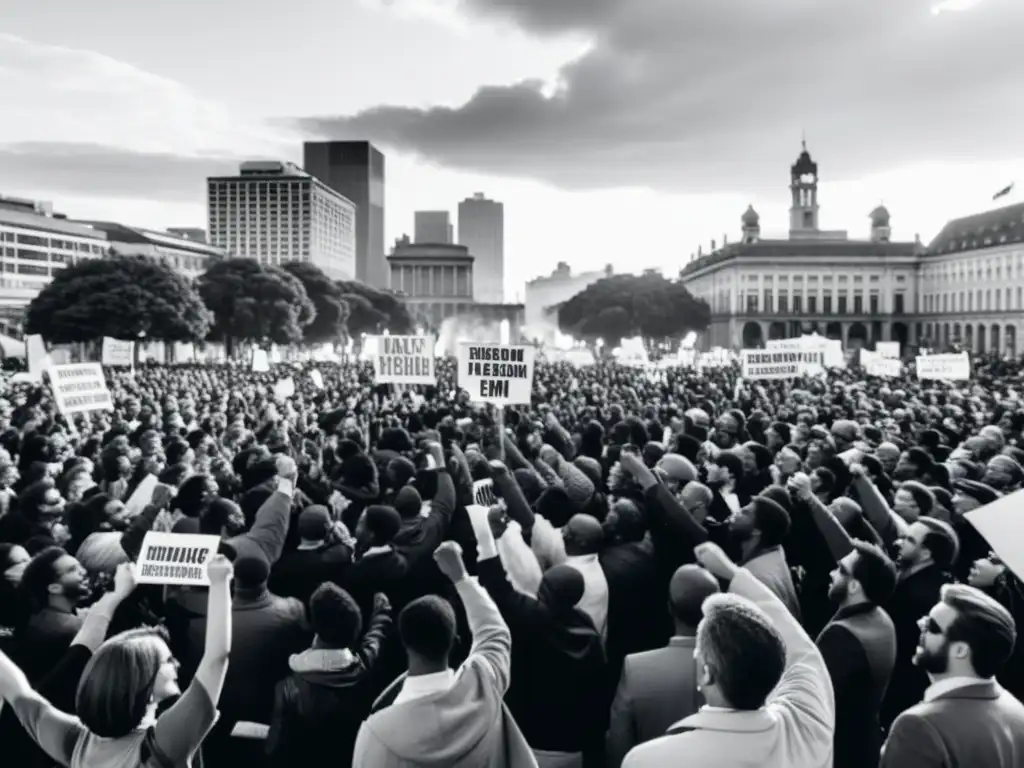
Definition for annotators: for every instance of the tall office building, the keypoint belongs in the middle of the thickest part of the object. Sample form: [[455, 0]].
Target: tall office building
[[275, 212], [355, 169], [433, 227], [482, 231]]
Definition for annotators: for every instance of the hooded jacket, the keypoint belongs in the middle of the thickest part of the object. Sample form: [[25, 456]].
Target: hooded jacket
[[465, 726], [319, 707], [558, 691]]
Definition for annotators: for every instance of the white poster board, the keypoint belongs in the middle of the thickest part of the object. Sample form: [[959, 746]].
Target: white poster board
[[260, 361], [948, 367], [176, 558], [403, 359], [890, 350], [80, 387], [761, 364], [117, 352], [1002, 526], [497, 373]]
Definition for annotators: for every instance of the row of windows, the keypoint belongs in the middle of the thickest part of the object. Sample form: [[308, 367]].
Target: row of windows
[[798, 304], [975, 301], [42, 241]]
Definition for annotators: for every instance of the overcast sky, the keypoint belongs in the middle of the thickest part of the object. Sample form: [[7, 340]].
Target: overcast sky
[[621, 131]]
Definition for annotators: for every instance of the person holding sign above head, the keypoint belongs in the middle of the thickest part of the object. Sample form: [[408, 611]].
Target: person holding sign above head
[[122, 686]]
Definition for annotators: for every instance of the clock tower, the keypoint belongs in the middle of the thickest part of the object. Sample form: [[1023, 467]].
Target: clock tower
[[803, 215]]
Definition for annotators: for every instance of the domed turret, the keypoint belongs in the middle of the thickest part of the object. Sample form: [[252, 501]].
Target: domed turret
[[751, 218], [751, 225], [880, 217], [880, 230]]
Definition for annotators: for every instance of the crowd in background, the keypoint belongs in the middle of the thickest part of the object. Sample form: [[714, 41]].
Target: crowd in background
[[673, 568]]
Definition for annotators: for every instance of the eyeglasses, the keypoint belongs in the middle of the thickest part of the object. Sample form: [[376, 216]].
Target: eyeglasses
[[931, 626]]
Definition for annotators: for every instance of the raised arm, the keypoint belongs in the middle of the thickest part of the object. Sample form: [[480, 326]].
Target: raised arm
[[839, 542], [182, 728], [492, 640], [889, 525]]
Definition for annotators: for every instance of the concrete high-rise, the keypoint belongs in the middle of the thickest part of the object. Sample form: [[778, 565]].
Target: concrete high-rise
[[355, 169], [275, 212], [482, 231], [433, 227]]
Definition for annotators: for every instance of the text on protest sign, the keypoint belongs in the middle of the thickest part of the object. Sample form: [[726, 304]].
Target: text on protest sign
[[176, 558], [497, 373], [768, 364], [888, 349], [80, 387], [404, 360], [944, 367], [117, 352]]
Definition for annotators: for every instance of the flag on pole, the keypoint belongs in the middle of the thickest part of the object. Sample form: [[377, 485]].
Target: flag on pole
[[1003, 192]]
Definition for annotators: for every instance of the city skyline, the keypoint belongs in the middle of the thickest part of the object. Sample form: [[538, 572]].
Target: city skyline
[[630, 136]]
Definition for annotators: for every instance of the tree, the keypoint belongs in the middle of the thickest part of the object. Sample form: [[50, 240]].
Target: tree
[[622, 306], [331, 309], [390, 312], [254, 302], [119, 296]]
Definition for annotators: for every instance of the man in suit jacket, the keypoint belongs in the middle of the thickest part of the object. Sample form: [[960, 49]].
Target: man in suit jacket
[[859, 648], [966, 718], [659, 687], [770, 700]]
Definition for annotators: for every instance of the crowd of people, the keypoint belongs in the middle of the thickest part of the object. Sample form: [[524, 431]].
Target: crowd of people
[[637, 570]]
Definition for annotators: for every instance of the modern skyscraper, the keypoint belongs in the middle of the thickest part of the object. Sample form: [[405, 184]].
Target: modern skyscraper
[[434, 227], [355, 169], [482, 231], [275, 212]]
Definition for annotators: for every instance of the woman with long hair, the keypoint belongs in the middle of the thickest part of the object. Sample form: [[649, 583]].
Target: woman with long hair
[[120, 690]]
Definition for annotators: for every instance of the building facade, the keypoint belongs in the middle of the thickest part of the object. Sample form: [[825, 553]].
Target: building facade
[[433, 278], [544, 295], [275, 212], [35, 244], [433, 227], [186, 256], [971, 283], [482, 231], [859, 291], [355, 170]]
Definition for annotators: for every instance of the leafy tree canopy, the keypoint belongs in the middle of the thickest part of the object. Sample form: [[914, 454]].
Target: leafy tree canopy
[[121, 297], [623, 306], [389, 311], [255, 302], [331, 309]]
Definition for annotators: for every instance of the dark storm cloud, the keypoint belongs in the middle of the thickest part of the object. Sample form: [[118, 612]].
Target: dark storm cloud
[[95, 170], [696, 95]]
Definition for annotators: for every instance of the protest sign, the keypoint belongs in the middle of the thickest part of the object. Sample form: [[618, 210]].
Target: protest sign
[[38, 358], [176, 558], [944, 367], [317, 378], [888, 349], [765, 364], [816, 352], [497, 373], [887, 367], [1001, 525], [260, 361], [285, 388], [80, 387], [117, 352], [403, 359]]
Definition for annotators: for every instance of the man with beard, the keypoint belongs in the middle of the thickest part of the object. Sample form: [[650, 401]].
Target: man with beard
[[859, 648], [926, 553], [966, 718], [759, 529]]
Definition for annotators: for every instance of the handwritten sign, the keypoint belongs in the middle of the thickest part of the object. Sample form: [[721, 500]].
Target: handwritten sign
[[176, 558], [403, 359], [80, 387], [117, 352], [944, 367], [497, 373], [890, 350]]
